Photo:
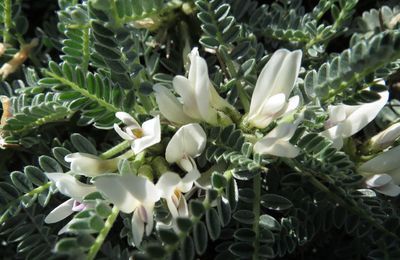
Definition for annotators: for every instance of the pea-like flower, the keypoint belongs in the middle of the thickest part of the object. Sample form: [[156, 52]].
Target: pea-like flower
[[131, 193], [69, 186], [383, 172], [270, 99], [187, 143], [200, 100], [344, 120], [171, 187], [277, 142], [90, 165], [141, 137]]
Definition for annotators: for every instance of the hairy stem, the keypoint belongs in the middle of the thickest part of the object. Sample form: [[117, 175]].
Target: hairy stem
[[256, 211], [7, 21], [94, 249], [115, 150]]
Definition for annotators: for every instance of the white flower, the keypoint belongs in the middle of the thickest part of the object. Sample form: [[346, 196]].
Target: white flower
[[383, 172], [141, 136], [200, 100], [90, 165], [131, 193], [277, 142], [171, 187], [169, 106], [344, 120], [187, 143], [69, 186], [270, 99], [385, 138]]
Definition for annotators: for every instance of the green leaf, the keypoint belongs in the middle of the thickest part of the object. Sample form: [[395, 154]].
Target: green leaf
[[48, 164], [213, 224], [275, 202], [196, 208], [184, 224], [187, 249], [21, 181], [82, 144], [102, 209], [35, 175], [241, 249], [66, 245], [168, 236], [244, 216], [269, 222], [245, 234], [200, 238]]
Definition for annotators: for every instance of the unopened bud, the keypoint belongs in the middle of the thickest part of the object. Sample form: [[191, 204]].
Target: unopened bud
[[160, 165], [146, 171]]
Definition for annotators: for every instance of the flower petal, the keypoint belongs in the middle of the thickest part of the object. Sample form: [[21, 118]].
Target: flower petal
[[363, 115], [188, 140], [137, 228], [169, 105], [273, 104], [283, 131], [183, 87], [278, 148], [122, 133], [172, 207], [292, 104], [264, 85], [167, 183], [90, 165], [201, 85], [378, 180], [187, 182], [383, 163], [389, 189], [288, 72], [70, 186], [61, 212], [127, 119], [149, 220], [113, 188], [151, 135], [183, 210]]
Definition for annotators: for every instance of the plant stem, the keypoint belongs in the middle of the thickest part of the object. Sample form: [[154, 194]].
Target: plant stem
[[94, 249], [115, 150], [85, 50], [31, 193], [256, 211], [7, 21]]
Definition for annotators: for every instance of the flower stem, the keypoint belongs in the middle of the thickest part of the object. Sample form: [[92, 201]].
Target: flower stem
[[94, 249], [256, 211], [115, 150], [7, 21]]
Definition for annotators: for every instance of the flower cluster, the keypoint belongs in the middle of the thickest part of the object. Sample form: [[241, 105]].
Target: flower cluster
[[200, 103]]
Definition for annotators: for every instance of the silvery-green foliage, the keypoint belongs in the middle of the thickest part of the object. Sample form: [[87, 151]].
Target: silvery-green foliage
[[99, 57]]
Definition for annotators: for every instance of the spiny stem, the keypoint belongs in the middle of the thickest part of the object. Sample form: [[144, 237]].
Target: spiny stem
[[94, 249]]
